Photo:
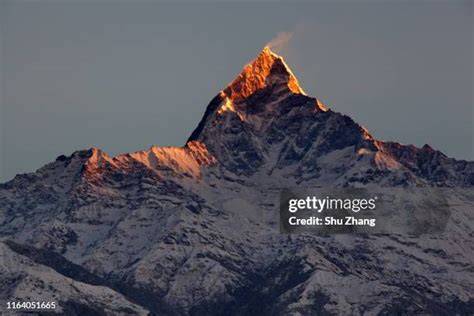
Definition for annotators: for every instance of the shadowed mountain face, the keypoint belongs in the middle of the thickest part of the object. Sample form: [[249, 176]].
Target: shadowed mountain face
[[264, 119], [194, 230]]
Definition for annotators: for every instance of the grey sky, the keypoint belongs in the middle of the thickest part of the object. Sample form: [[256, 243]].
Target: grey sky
[[122, 76]]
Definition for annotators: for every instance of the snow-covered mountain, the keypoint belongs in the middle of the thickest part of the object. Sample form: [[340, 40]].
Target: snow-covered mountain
[[194, 230]]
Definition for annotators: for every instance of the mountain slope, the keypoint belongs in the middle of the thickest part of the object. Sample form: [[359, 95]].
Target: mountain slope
[[195, 229]]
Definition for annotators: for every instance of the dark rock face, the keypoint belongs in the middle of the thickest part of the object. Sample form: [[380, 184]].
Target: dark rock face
[[300, 132], [432, 165], [194, 230]]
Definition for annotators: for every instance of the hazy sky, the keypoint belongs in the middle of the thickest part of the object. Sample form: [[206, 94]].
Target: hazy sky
[[125, 75]]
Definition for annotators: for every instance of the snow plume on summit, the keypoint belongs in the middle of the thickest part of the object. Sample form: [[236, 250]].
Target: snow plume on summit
[[280, 41]]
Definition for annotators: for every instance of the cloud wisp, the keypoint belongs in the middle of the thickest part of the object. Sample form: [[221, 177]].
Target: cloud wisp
[[280, 41]]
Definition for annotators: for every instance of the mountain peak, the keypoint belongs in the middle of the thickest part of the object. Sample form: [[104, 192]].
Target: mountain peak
[[268, 52], [267, 70]]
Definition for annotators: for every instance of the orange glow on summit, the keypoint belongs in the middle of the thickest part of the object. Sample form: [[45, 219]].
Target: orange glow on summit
[[268, 70]]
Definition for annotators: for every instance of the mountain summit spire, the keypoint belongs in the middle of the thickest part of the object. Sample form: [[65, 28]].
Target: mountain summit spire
[[267, 70]]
